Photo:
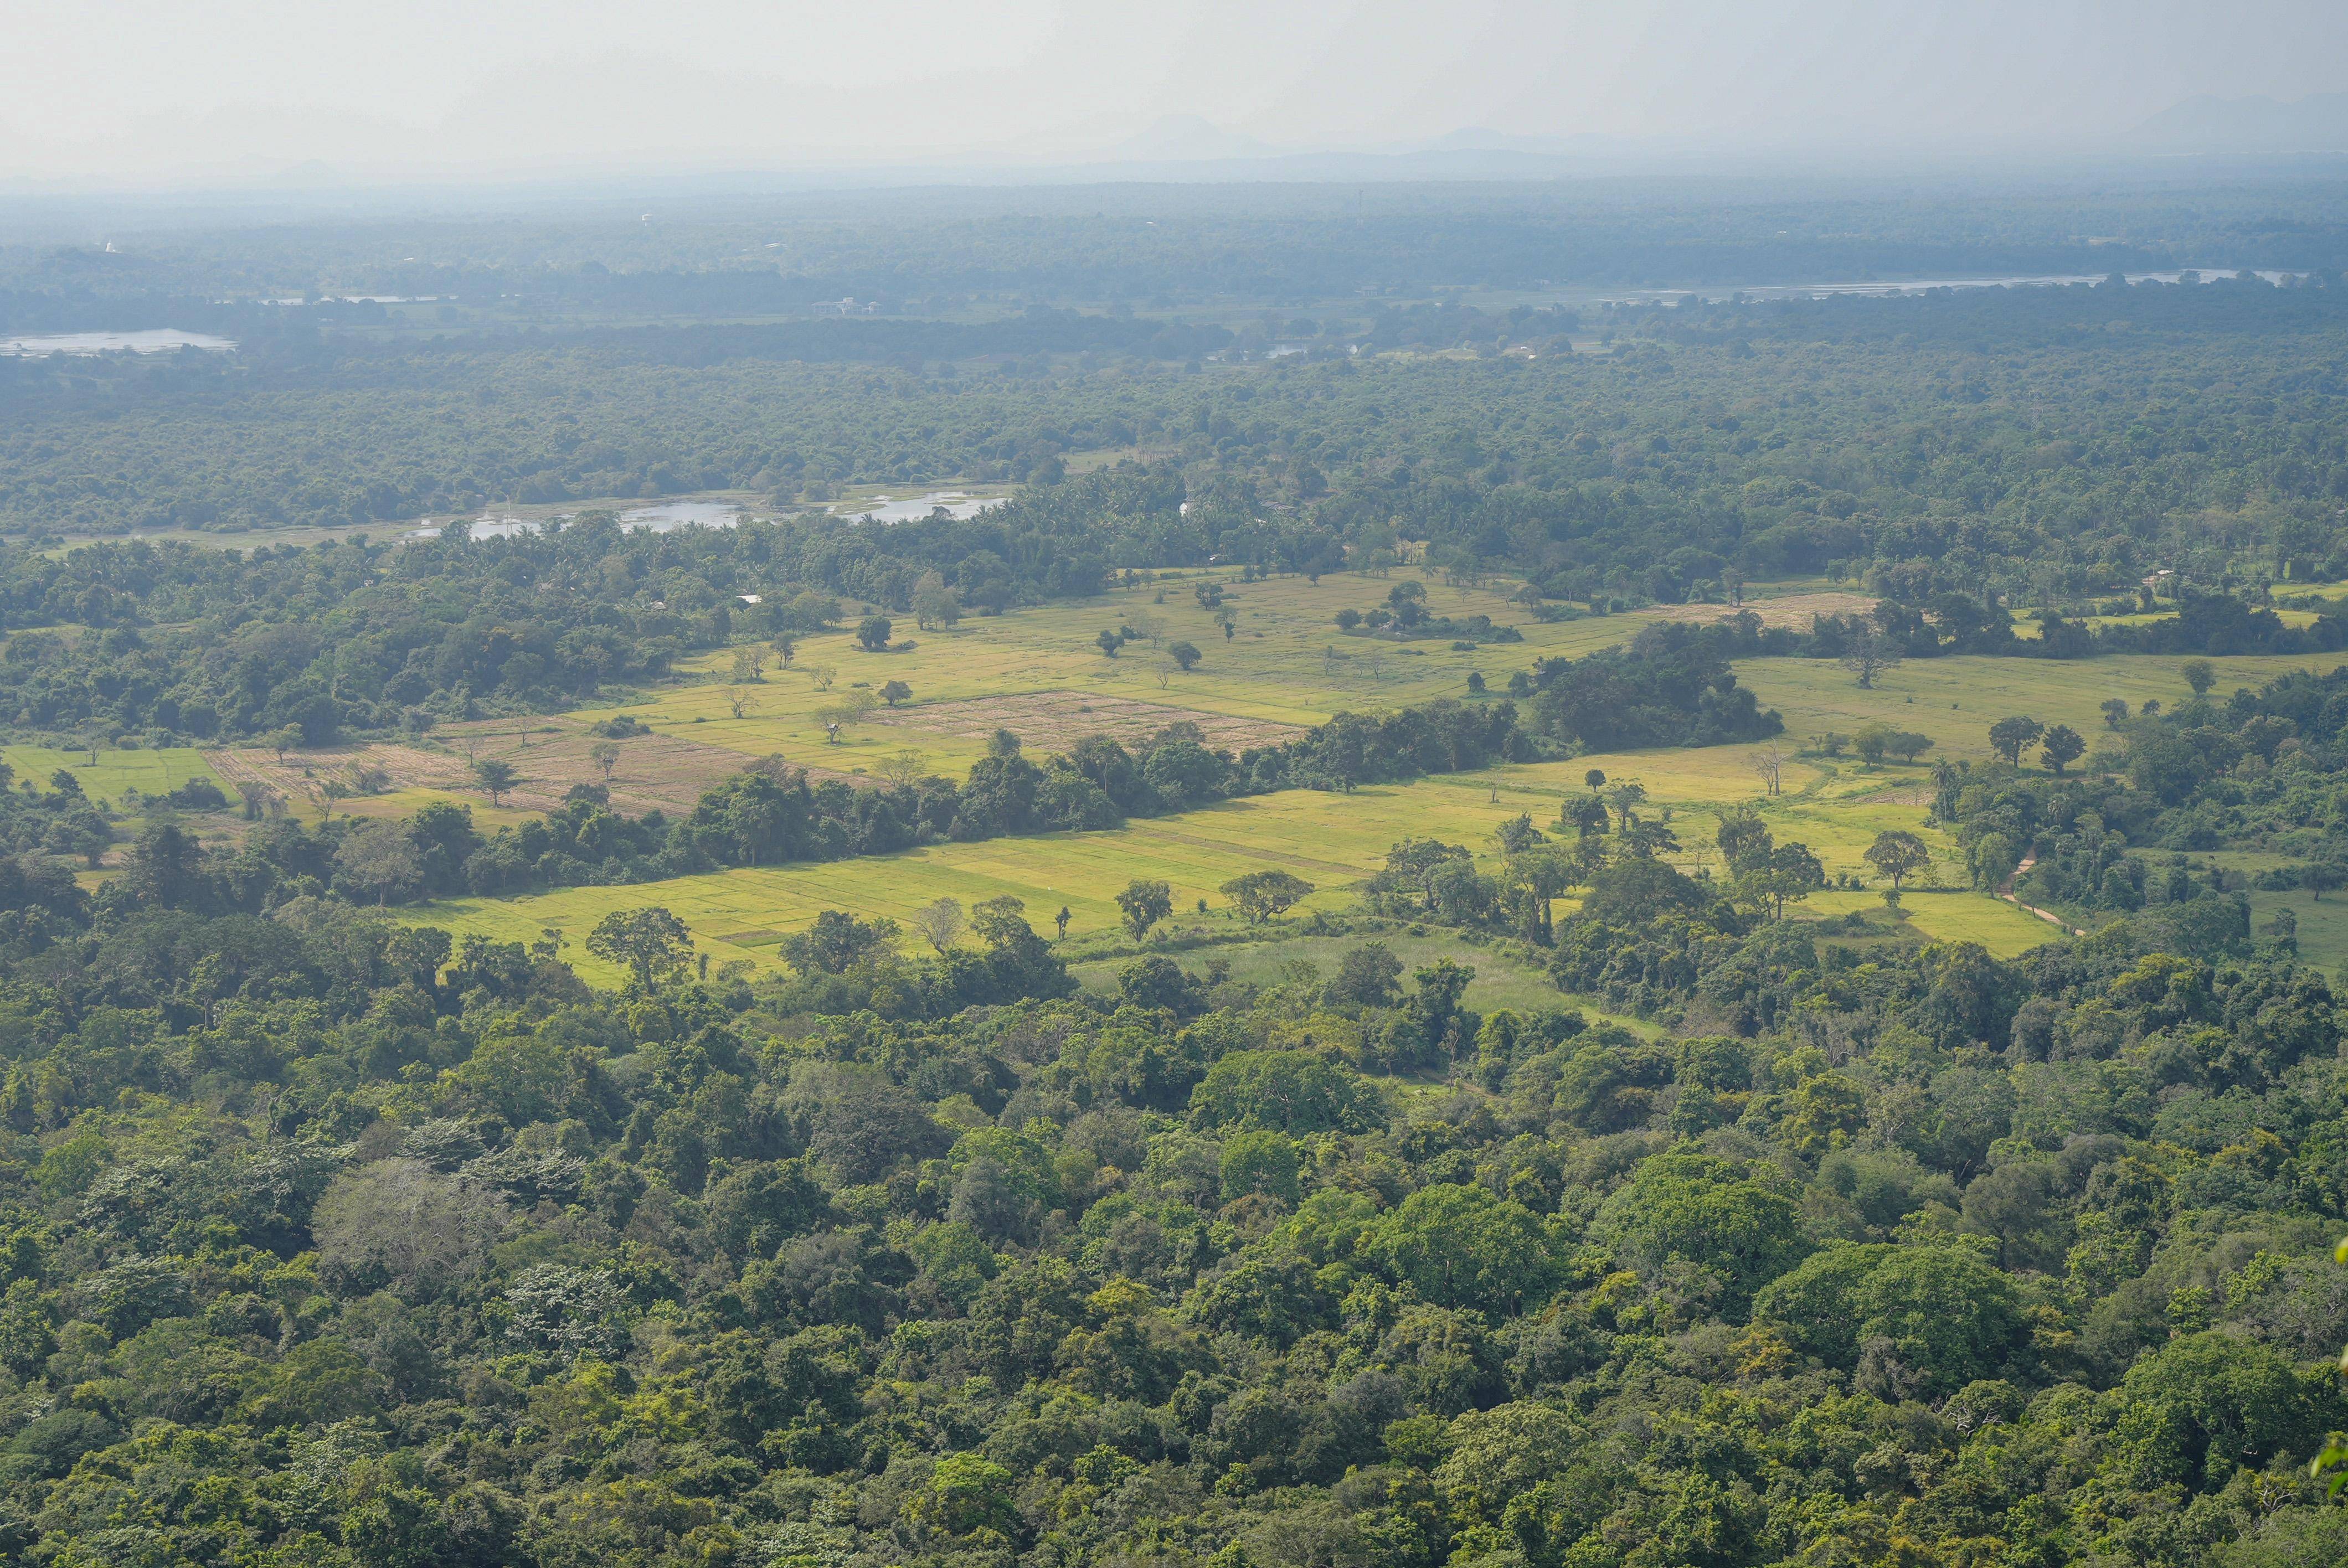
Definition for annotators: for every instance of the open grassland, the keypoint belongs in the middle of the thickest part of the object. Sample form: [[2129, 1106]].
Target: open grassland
[[150, 771], [1956, 700], [2323, 925]]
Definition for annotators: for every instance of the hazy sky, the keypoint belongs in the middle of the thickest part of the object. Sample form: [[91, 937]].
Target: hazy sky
[[170, 90]]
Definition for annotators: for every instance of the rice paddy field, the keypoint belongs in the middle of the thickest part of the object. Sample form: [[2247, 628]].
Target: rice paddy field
[[150, 771], [1042, 674], [1332, 841]]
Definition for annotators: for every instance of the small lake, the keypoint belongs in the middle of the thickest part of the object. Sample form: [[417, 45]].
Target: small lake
[[665, 518], [162, 340], [959, 504]]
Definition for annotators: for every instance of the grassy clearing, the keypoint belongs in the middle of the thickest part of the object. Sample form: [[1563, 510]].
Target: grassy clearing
[[1944, 917], [2322, 926], [155, 771], [1956, 700]]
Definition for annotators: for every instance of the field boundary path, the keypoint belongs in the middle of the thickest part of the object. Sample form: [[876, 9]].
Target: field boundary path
[[2006, 893]]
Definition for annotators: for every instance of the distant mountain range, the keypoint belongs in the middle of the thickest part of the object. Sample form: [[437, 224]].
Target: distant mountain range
[[2208, 124]]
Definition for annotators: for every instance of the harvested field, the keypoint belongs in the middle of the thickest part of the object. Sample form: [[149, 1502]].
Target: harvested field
[[1793, 609], [1054, 720], [550, 754]]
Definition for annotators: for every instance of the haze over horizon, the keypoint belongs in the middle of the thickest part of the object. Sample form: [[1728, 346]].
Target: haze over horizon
[[145, 93]]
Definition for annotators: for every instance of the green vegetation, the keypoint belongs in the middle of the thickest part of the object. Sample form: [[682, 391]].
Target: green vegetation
[[1528, 934]]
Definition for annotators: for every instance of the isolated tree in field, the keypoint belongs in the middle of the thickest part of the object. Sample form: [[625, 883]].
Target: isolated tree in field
[[1868, 655], [380, 858], [255, 796], [2322, 877], [91, 740], [2009, 735], [1183, 655], [496, 776], [1769, 762], [605, 756], [2063, 747], [2114, 712], [2199, 674], [1899, 855], [1228, 618], [940, 923], [284, 739], [1596, 779], [741, 703], [1873, 743], [872, 633], [821, 676], [1908, 745], [646, 942], [787, 647], [1144, 904], [1263, 895], [1067, 915], [750, 663], [329, 791], [895, 692], [1109, 643]]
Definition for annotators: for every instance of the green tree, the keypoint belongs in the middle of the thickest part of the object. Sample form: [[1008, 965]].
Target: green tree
[[1933, 1318], [1899, 855], [2063, 747], [496, 776], [1293, 1091], [380, 858], [648, 943], [1144, 904], [872, 633], [1184, 654], [1697, 1210], [1367, 976], [2009, 735], [1261, 896], [2199, 674], [1261, 1161], [934, 604], [895, 692], [1460, 1247]]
